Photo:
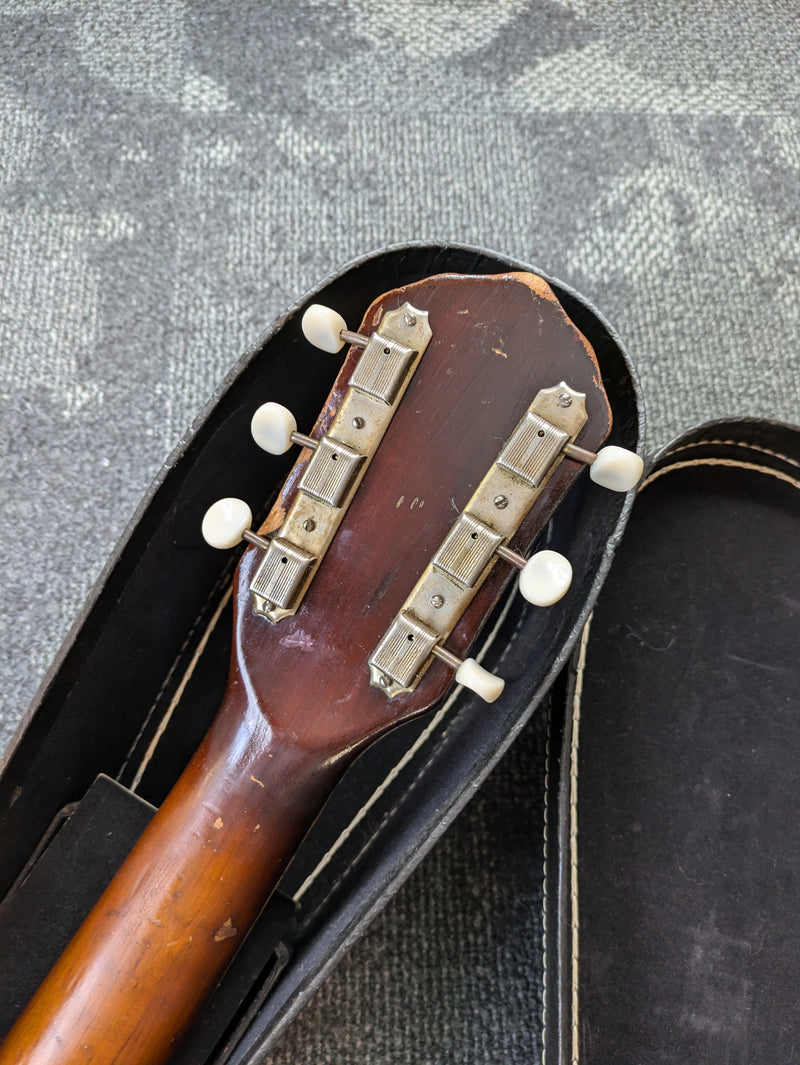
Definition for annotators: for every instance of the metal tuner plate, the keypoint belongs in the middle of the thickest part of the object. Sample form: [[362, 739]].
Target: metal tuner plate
[[340, 461], [461, 564]]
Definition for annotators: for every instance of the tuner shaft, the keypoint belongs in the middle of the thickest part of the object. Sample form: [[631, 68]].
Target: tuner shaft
[[357, 340], [255, 539], [447, 656], [305, 441]]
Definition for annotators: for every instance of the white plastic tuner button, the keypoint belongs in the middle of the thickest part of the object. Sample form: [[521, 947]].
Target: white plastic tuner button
[[546, 578], [225, 522], [323, 327], [272, 427], [616, 468], [479, 680]]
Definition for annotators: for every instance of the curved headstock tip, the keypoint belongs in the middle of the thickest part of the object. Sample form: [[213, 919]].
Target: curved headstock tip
[[536, 284]]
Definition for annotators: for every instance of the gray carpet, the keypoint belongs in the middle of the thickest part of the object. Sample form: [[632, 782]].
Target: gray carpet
[[172, 174]]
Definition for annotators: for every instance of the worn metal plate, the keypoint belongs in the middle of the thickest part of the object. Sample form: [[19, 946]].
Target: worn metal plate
[[503, 498], [350, 444]]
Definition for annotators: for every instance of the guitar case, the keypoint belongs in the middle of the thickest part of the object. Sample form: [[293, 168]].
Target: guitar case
[[143, 671], [673, 850]]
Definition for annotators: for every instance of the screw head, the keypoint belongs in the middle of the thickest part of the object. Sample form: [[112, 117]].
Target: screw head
[[358, 423], [564, 400], [309, 525], [384, 681], [501, 502], [409, 319], [437, 601]]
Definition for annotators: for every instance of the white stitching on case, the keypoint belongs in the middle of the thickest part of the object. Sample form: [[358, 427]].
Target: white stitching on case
[[740, 444], [544, 876], [178, 693], [573, 833], [777, 474], [221, 582], [391, 775], [376, 794]]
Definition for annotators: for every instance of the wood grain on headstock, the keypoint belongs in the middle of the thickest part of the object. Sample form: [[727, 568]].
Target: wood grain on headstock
[[299, 704]]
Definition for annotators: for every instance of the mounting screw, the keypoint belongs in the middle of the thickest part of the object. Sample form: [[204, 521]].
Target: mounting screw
[[564, 400], [501, 502], [309, 525], [437, 601], [358, 423], [384, 681], [409, 319]]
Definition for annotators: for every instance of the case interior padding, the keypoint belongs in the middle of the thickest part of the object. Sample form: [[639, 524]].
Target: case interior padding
[[674, 819]]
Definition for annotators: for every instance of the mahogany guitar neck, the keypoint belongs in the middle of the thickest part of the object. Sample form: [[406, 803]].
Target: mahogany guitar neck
[[166, 928]]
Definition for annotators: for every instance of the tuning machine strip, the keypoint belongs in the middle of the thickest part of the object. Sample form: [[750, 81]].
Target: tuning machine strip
[[339, 459], [480, 536]]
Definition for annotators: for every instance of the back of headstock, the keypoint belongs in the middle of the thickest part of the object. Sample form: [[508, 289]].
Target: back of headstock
[[504, 378]]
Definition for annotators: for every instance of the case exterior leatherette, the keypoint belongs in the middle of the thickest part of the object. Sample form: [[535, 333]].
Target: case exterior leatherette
[[673, 850]]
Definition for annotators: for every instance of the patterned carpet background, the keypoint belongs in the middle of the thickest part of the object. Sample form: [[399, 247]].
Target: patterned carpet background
[[173, 174]]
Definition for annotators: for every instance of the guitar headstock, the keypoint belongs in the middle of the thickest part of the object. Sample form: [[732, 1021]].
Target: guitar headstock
[[464, 410]]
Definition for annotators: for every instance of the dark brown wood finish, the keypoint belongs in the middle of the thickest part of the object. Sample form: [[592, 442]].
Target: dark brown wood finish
[[299, 705]]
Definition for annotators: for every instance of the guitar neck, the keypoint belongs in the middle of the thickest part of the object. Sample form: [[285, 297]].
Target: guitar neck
[[167, 926]]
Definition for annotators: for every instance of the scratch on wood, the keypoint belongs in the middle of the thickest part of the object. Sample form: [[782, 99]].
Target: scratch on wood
[[226, 931], [299, 639], [257, 781], [257, 828], [219, 823], [399, 503], [497, 351]]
